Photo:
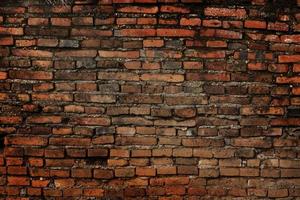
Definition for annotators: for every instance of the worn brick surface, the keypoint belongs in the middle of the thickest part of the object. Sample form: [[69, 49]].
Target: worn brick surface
[[150, 99]]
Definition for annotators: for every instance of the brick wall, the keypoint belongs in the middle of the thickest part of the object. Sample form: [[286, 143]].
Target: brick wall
[[150, 99]]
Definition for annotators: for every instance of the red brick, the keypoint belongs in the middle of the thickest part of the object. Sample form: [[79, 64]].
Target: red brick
[[146, 141], [59, 173], [56, 21], [40, 183], [166, 170], [64, 183], [72, 192], [147, 21], [211, 23], [81, 173], [82, 21], [208, 77], [93, 192], [17, 170], [59, 162], [216, 43], [52, 97], [296, 68], [99, 21], [135, 32], [99, 152], [145, 171], [126, 20], [118, 76], [285, 122], [288, 58], [103, 140], [155, 191], [44, 119], [196, 191], [255, 24], [290, 38], [288, 80], [70, 141], [124, 172], [25, 43], [173, 9], [19, 181], [153, 43], [175, 32], [190, 22], [52, 192], [192, 65], [278, 26], [10, 120], [34, 191], [6, 41], [292, 173], [277, 193]]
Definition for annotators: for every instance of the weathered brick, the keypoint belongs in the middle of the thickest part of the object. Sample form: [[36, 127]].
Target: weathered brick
[[225, 12], [90, 32], [119, 54], [163, 77], [135, 32], [44, 119], [38, 21], [11, 31], [76, 53], [220, 33], [139, 9], [258, 143], [95, 98], [33, 75], [32, 53], [27, 141], [144, 99]]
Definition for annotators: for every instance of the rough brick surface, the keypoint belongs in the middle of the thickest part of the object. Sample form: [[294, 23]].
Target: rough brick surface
[[150, 99]]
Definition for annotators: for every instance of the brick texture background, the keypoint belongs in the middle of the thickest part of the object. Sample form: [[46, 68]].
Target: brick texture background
[[150, 99]]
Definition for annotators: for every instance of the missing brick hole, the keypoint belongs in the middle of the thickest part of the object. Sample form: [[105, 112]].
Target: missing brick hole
[[2, 145], [282, 3], [59, 2], [96, 161], [293, 112], [70, 2], [274, 8]]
